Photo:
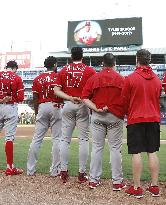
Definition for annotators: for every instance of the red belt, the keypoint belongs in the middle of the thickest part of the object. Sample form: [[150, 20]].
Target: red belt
[[7, 103], [58, 105]]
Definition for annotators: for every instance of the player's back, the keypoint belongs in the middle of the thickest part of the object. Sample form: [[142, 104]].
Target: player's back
[[72, 78], [104, 89], [164, 82], [10, 84], [44, 85], [142, 89], [142, 82]]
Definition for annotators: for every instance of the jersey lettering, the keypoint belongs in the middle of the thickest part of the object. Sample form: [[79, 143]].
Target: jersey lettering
[[6, 84], [46, 87], [74, 78], [44, 92]]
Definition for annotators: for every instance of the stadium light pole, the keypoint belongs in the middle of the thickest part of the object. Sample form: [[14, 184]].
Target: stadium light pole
[[11, 46]]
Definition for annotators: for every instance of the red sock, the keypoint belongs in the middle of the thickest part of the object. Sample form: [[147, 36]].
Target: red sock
[[9, 153]]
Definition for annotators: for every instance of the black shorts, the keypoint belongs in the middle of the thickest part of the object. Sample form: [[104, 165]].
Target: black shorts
[[143, 137]]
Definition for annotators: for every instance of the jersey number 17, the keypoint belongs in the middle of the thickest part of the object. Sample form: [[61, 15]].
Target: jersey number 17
[[74, 79]]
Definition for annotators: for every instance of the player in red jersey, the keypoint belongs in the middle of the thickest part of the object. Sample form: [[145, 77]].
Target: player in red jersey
[[102, 94], [11, 93], [141, 94], [48, 114], [164, 82], [69, 85]]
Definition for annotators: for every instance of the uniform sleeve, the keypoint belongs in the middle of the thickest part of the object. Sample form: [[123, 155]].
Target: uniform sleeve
[[88, 89], [126, 94], [54, 77], [92, 71], [59, 81], [34, 86], [20, 90], [164, 82]]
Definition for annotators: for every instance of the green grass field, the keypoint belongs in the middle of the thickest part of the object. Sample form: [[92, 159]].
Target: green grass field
[[22, 146], [162, 132]]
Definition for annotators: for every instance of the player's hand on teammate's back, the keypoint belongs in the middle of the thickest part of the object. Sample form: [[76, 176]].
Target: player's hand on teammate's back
[[6, 99], [104, 109], [99, 110], [75, 100]]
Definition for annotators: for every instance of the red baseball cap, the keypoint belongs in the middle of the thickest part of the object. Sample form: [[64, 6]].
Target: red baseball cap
[[87, 23]]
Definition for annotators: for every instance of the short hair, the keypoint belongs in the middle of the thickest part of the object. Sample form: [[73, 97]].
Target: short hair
[[109, 60], [50, 62], [143, 57], [76, 53], [12, 64]]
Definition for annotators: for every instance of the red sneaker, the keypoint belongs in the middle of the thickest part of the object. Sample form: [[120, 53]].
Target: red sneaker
[[138, 193], [93, 185], [82, 177], [118, 187], [13, 171], [64, 176], [154, 190]]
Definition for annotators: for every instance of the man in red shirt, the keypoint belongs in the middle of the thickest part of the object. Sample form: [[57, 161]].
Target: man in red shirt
[[141, 95], [164, 82], [48, 114], [11, 93], [69, 85], [102, 94]]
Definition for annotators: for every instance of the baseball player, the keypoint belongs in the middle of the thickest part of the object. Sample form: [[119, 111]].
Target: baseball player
[[86, 35], [69, 85], [164, 82], [48, 114], [11, 93], [141, 95], [102, 94]]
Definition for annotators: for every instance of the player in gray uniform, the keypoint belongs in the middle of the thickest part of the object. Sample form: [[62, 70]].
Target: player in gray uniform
[[69, 85], [11, 93], [102, 94], [48, 114]]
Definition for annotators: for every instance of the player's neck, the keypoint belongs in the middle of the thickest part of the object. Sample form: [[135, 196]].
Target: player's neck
[[49, 71], [76, 62], [107, 67], [9, 69]]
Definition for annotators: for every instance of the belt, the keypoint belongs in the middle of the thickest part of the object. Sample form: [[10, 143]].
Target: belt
[[58, 105], [7, 103]]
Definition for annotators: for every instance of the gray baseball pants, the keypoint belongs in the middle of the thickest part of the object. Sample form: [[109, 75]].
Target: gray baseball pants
[[48, 116], [102, 125], [9, 120], [75, 115]]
